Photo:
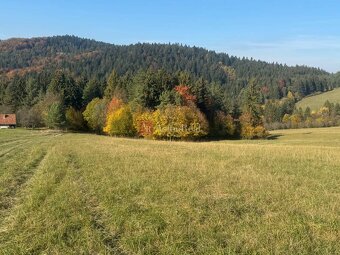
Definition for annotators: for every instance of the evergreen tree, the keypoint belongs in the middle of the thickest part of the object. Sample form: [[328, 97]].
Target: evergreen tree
[[55, 117], [251, 103], [113, 85], [15, 92], [92, 90], [65, 86], [307, 112], [32, 92]]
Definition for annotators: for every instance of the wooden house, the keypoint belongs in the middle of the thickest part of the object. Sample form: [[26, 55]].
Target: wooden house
[[8, 121]]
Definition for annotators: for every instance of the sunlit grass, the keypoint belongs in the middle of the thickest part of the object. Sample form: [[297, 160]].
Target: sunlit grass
[[317, 101], [88, 194]]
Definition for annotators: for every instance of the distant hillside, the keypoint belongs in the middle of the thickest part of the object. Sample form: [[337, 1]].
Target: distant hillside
[[91, 59], [317, 101]]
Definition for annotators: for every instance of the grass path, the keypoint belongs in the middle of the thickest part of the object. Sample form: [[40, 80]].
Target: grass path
[[87, 194]]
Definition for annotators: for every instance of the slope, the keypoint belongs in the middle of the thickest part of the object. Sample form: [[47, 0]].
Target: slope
[[317, 101]]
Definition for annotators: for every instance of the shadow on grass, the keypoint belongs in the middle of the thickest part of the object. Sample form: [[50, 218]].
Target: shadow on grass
[[274, 137]]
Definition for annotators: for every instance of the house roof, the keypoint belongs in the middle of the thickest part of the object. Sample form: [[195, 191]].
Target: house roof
[[8, 119]]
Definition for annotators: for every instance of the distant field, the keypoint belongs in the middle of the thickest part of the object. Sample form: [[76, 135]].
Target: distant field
[[317, 101], [88, 194]]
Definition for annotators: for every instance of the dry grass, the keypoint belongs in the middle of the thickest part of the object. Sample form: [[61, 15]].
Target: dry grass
[[88, 194]]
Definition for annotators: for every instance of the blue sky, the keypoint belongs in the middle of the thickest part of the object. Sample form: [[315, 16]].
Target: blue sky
[[292, 32]]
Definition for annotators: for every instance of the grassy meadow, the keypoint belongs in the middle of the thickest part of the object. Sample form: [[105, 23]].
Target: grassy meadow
[[63, 193], [317, 101]]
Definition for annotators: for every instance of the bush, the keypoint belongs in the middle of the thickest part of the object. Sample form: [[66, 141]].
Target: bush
[[120, 122], [179, 122], [230, 125], [30, 117], [260, 132], [74, 119], [248, 131], [223, 125], [95, 114], [144, 124]]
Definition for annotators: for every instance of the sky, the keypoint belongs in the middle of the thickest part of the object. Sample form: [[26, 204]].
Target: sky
[[304, 32]]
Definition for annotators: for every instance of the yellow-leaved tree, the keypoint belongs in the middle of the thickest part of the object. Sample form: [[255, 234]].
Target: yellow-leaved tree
[[179, 122], [120, 122], [119, 119]]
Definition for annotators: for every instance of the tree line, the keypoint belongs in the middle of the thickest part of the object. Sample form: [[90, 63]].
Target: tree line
[[160, 90], [155, 104], [152, 104], [278, 116]]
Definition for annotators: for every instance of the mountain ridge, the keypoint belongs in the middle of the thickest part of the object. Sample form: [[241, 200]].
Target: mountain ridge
[[39, 38], [89, 58]]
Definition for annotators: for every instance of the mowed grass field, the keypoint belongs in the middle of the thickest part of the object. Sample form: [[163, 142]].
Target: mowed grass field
[[63, 193], [317, 101]]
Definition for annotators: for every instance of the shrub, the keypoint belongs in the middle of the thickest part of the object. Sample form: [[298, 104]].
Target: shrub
[[295, 120], [30, 117], [74, 119], [249, 131], [120, 122], [260, 132], [230, 125], [223, 125], [144, 124], [95, 114], [179, 122]]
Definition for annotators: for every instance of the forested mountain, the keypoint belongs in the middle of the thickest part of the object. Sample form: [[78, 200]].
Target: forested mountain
[[91, 59], [120, 89]]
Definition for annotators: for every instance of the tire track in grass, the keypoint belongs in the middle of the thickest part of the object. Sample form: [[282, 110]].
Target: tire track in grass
[[13, 148], [18, 153], [97, 214], [39, 139], [9, 194], [13, 138], [22, 170], [14, 141], [18, 143]]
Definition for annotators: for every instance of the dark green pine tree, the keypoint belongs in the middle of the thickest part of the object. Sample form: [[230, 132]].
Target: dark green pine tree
[[15, 92], [113, 85], [200, 90], [92, 90], [65, 86], [55, 117], [307, 113], [337, 109], [251, 103], [32, 92]]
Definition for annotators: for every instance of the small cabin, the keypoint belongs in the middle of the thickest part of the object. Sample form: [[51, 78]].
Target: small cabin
[[8, 120]]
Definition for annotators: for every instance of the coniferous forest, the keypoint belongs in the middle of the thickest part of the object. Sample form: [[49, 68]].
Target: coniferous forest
[[159, 91]]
